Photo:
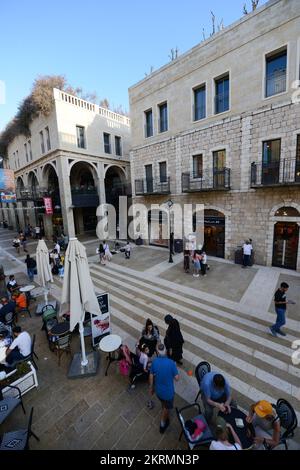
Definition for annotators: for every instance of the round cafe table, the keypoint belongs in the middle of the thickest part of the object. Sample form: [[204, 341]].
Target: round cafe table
[[110, 344], [60, 328], [245, 433], [26, 288]]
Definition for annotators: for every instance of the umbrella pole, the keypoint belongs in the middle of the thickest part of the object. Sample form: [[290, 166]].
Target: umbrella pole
[[46, 293], [84, 361]]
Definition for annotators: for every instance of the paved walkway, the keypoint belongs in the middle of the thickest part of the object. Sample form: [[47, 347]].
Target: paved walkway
[[230, 334]]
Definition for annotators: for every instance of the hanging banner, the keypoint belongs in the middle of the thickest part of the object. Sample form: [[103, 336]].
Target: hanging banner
[[48, 205], [101, 323], [7, 186]]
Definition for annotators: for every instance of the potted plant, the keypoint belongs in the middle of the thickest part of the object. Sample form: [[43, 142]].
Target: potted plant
[[24, 377]]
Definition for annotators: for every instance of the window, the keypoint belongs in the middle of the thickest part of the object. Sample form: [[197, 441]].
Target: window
[[163, 117], [163, 172], [80, 137], [149, 123], [42, 142], [48, 138], [30, 149], [118, 146], [222, 94], [106, 138], [271, 162], [17, 158], [26, 152], [197, 166], [199, 103], [276, 73]]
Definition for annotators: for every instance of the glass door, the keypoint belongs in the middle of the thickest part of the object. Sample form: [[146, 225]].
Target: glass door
[[285, 248], [271, 162], [219, 159], [149, 179]]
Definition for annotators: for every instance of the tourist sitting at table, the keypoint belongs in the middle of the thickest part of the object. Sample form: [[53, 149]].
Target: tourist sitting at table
[[12, 284], [20, 299], [20, 347], [140, 363], [7, 307], [215, 394], [150, 336], [222, 433], [5, 335], [266, 424]]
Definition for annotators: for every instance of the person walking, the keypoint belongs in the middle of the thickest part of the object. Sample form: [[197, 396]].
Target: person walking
[[186, 261], [173, 339], [37, 232], [196, 261], [16, 244], [31, 265], [23, 241], [247, 252], [203, 263], [127, 250], [280, 308], [163, 372]]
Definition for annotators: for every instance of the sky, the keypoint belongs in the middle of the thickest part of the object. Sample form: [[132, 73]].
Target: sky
[[101, 46]]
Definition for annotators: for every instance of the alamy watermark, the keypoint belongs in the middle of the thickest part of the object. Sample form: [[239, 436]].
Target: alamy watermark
[[159, 221]]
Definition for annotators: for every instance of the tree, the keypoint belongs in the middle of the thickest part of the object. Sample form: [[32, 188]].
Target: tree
[[104, 103]]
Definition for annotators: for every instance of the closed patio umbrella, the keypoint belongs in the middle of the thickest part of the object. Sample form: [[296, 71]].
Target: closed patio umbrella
[[43, 266], [78, 294]]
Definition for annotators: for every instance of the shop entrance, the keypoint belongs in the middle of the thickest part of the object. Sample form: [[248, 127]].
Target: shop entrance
[[158, 228], [214, 233], [285, 247]]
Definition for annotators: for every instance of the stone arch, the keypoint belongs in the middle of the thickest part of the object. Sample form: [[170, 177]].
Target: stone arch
[[286, 203], [84, 163], [116, 167], [45, 170]]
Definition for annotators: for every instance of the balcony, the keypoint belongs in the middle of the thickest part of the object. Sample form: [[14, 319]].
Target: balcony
[[282, 173], [85, 197], [211, 180], [152, 186]]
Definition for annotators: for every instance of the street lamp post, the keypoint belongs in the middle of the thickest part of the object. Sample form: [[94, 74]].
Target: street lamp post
[[171, 237]]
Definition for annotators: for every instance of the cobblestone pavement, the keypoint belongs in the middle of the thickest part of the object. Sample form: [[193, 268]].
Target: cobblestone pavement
[[224, 319]]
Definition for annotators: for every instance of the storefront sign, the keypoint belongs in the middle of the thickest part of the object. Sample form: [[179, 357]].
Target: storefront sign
[[48, 205], [7, 186], [101, 323], [214, 220]]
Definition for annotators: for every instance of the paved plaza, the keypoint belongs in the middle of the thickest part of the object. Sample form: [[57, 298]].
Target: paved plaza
[[224, 319]]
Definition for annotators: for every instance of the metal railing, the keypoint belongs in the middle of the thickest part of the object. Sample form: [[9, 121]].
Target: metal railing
[[152, 186], [283, 172], [211, 180]]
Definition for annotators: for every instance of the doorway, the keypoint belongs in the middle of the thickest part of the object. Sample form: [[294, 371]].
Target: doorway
[[285, 247], [214, 233]]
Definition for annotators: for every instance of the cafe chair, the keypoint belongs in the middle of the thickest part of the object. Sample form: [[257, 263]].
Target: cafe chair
[[18, 440], [62, 345], [10, 403], [184, 414], [288, 421], [30, 356], [201, 369]]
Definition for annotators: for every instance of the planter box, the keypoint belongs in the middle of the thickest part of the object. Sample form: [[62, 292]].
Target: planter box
[[25, 383]]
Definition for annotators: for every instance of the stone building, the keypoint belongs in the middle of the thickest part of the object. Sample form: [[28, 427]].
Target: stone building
[[78, 157], [220, 126]]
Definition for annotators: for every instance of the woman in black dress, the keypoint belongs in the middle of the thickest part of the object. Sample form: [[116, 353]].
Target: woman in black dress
[[173, 339]]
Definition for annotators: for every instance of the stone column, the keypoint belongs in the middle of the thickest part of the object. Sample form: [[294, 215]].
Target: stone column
[[21, 215], [31, 213], [65, 195], [12, 215], [48, 226], [246, 153], [177, 166]]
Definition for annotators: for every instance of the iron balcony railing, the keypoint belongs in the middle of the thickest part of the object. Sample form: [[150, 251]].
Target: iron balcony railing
[[210, 180], [152, 186], [276, 83], [283, 172]]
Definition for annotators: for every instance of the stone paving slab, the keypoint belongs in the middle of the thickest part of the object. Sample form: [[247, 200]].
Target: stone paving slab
[[293, 311]]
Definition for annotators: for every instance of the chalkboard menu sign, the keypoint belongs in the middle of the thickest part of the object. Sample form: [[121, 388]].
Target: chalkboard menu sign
[[101, 323]]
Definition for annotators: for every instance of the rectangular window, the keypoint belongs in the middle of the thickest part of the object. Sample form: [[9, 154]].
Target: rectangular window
[[80, 137], [30, 149], [219, 162], [118, 146], [148, 123], [106, 138], [149, 178], [48, 138], [198, 166], [276, 73], [163, 117], [26, 152], [42, 142], [271, 161], [17, 158], [222, 94], [199, 103], [163, 172]]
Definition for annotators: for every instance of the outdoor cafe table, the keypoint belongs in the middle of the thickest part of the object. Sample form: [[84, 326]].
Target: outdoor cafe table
[[26, 288], [110, 344], [245, 433]]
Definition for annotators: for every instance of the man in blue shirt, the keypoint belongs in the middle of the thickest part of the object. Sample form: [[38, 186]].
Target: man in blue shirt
[[163, 371], [215, 393], [7, 307]]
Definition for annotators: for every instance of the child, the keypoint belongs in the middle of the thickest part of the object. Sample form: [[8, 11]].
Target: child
[[127, 250], [61, 271]]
